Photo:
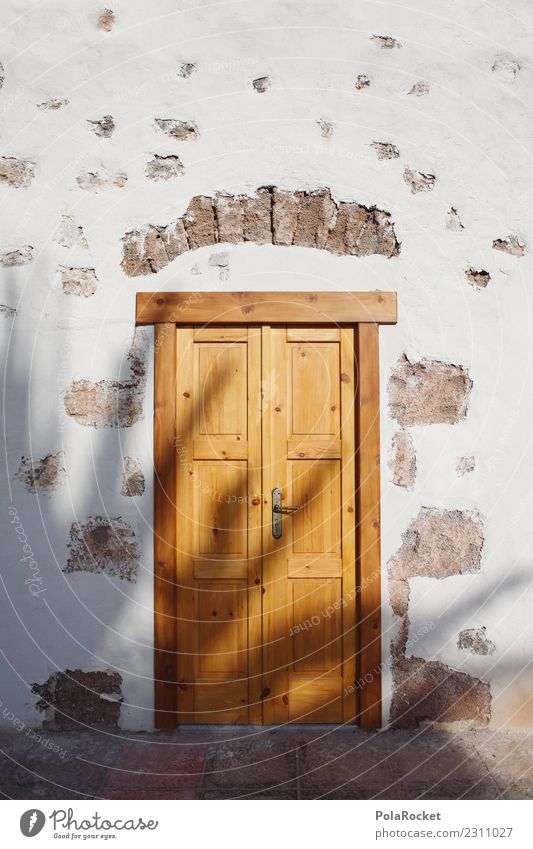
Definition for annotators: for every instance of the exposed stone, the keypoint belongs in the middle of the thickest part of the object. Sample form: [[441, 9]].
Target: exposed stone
[[385, 150], [285, 208], [2, 75], [74, 700], [262, 84], [22, 256], [361, 82], [186, 69], [402, 462], [465, 465], [419, 89], [106, 19], [386, 42], [7, 312], [94, 181], [220, 261], [428, 392], [511, 245], [437, 544], [258, 217], [476, 641], [53, 104], [506, 68], [82, 282], [16, 172], [200, 222], [111, 403], [418, 181], [180, 130], [44, 475], [103, 544], [454, 222], [312, 219], [316, 215], [69, 234], [326, 128], [164, 167], [479, 278], [361, 231], [230, 218], [103, 127], [132, 477], [429, 691]]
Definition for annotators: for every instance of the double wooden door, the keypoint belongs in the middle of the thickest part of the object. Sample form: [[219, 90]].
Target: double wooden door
[[266, 598]]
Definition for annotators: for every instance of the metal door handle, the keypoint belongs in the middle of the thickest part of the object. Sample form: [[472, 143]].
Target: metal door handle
[[278, 509]]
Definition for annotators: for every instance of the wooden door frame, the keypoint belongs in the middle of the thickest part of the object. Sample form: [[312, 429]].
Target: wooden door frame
[[364, 311]]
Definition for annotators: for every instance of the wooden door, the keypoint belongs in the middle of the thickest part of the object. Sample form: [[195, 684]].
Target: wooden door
[[265, 625], [309, 573]]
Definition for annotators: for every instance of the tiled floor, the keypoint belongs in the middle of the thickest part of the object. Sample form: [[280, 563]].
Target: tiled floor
[[259, 763]]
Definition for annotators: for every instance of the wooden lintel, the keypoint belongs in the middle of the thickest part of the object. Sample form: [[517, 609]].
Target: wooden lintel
[[307, 308]]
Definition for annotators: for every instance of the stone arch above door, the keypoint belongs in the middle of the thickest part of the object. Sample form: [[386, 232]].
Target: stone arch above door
[[271, 216]]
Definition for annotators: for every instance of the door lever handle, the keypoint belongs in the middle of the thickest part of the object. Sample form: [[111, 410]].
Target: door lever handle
[[278, 510]]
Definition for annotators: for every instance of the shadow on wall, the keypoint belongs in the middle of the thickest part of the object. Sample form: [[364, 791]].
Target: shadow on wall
[[70, 468]]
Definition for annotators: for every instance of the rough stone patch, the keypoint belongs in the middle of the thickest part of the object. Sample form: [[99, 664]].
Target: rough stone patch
[[419, 89], [465, 465], [316, 216], [44, 475], [94, 181], [69, 234], [22, 256], [180, 130], [53, 104], [418, 181], [285, 208], [361, 82], [111, 403], [402, 461], [164, 168], [81, 282], [428, 392], [7, 312], [103, 127], [511, 245], [262, 84], [506, 68], [385, 150], [479, 278], [326, 128], [16, 172], [73, 699], [106, 19], [103, 544], [132, 477], [186, 69], [454, 223], [2, 75], [310, 219], [229, 218], [429, 691], [476, 641], [386, 42], [437, 544]]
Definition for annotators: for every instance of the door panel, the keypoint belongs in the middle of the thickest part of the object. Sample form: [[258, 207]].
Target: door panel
[[219, 525], [266, 627], [309, 573]]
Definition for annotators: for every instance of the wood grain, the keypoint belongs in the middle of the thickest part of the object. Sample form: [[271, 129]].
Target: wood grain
[[368, 523], [216, 308], [164, 527]]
